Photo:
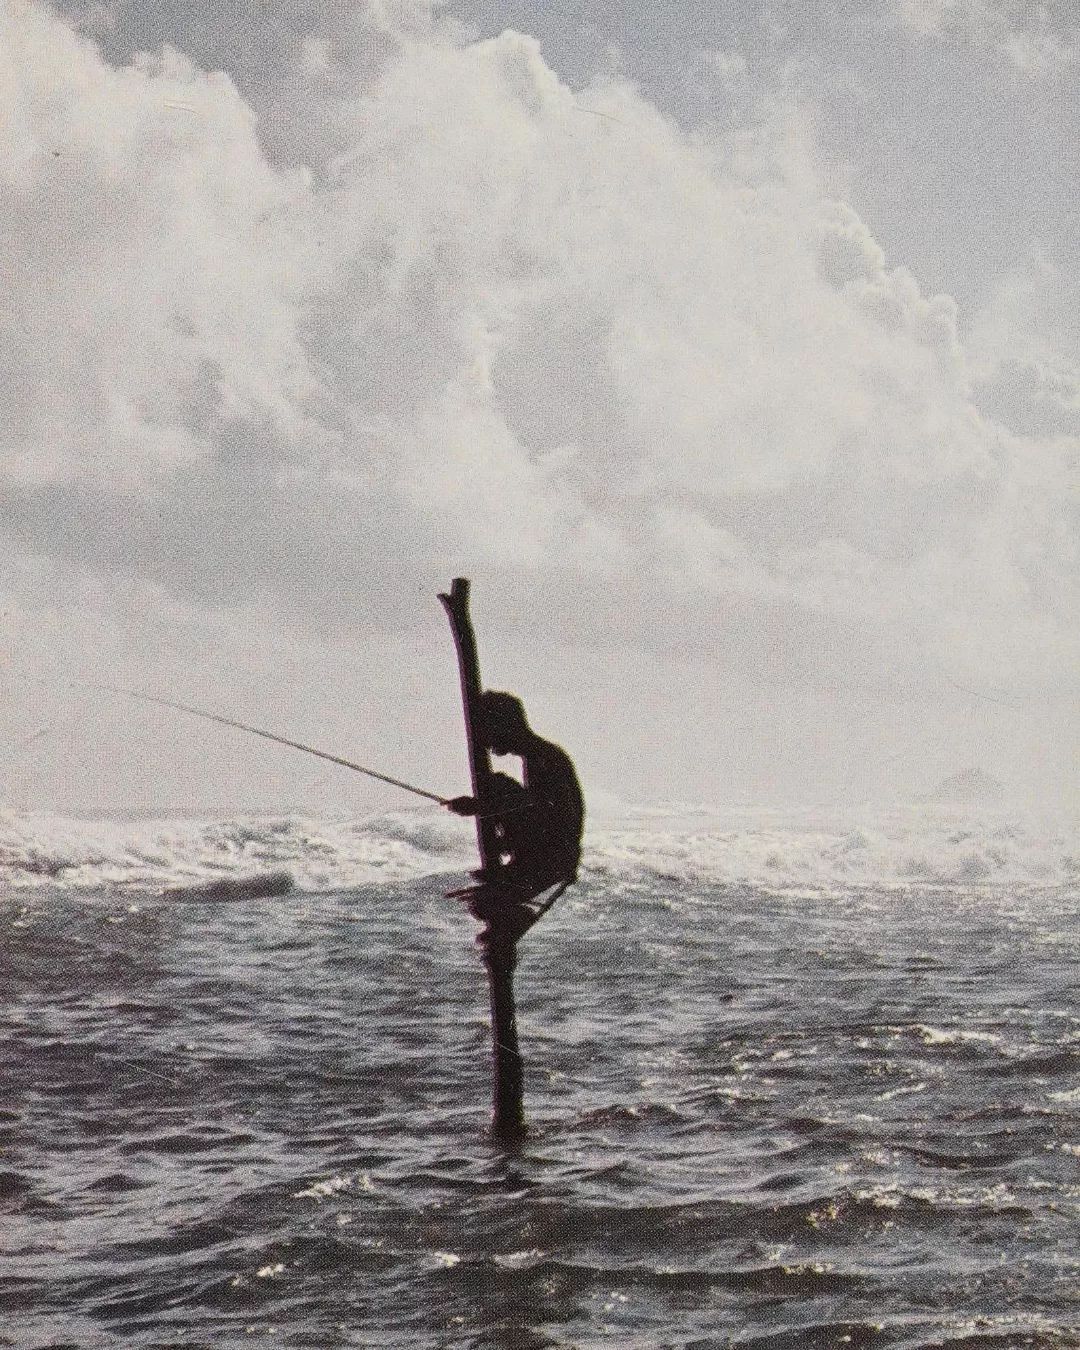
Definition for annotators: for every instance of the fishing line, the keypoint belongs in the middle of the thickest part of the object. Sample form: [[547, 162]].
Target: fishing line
[[280, 740]]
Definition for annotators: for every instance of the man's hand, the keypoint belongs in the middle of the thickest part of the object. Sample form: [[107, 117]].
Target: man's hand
[[462, 806]]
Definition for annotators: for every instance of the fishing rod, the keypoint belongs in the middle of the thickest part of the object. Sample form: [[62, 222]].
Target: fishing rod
[[280, 740]]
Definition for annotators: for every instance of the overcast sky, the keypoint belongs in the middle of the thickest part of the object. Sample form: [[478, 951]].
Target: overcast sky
[[732, 351]]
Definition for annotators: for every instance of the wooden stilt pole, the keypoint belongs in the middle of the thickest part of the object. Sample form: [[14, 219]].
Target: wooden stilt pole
[[500, 938]]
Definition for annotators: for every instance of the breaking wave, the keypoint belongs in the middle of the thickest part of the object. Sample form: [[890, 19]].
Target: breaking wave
[[772, 851], [321, 854]]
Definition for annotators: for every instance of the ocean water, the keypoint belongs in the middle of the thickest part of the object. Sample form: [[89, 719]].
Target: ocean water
[[791, 1082]]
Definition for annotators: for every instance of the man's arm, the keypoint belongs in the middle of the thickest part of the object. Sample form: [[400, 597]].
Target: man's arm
[[507, 796]]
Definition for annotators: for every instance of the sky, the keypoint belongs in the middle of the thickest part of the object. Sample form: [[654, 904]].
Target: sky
[[732, 352]]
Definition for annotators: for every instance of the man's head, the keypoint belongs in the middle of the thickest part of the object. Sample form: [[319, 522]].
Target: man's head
[[503, 723]]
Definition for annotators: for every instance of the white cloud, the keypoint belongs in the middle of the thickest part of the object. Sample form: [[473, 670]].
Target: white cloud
[[1022, 34], [1033, 397], [152, 265]]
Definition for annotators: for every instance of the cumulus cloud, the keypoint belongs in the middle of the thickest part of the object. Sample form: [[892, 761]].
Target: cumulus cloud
[[153, 262], [1032, 397], [427, 310]]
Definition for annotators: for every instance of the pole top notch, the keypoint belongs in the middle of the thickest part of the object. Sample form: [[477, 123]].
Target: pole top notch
[[458, 596]]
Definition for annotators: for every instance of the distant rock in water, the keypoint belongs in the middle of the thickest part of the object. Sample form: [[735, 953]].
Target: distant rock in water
[[969, 787], [233, 888]]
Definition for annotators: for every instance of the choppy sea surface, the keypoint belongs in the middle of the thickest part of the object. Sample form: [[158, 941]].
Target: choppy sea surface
[[791, 1082]]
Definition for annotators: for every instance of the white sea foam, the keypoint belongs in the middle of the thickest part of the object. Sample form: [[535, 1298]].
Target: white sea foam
[[899, 848], [698, 847], [952, 1036], [322, 854]]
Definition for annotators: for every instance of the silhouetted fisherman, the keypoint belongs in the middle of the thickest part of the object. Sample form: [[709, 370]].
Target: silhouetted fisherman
[[538, 822]]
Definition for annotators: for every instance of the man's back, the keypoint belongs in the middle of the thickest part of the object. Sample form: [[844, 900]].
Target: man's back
[[550, 842]]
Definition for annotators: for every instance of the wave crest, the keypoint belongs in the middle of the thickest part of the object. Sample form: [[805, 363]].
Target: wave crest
[[653, 847]]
